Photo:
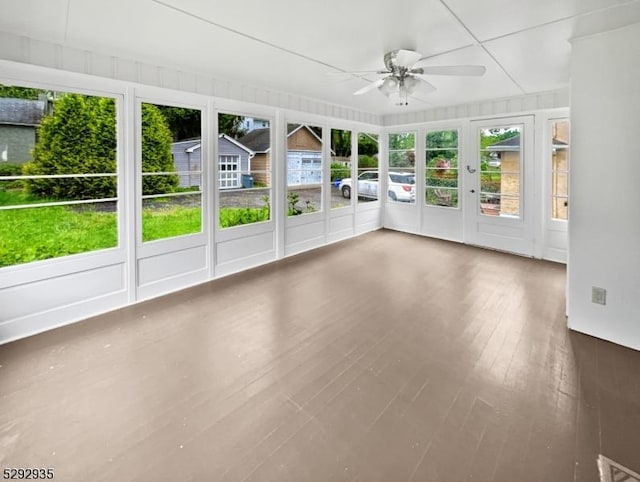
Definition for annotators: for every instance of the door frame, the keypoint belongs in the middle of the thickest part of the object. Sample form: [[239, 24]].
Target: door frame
[[515, 235]]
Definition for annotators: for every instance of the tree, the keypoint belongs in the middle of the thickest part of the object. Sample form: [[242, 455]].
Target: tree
[[15, 92], [183, 123], [231, 125], [156, 152], [402, 141], [368, 145], [79, 137], [341, 142], [491, 136], [442, 139]]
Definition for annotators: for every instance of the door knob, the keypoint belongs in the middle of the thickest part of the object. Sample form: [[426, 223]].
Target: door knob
[[471, 171], [472, 191]]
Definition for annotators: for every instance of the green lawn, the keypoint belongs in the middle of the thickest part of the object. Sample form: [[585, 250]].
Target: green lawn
[[169, 222], [38, 233], [33, 234]]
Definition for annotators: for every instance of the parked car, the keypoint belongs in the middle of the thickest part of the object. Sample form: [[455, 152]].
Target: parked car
[[401, 186]]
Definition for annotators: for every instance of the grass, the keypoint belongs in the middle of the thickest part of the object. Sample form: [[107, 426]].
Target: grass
[[49, 232], [34, 234], [13, 197], [170, 222]]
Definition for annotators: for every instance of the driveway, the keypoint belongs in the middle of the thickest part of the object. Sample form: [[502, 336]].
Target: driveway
[[254, 197]]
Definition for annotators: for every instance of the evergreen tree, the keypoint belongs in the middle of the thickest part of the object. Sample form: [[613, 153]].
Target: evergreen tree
[[156, 152], [16, 92], [79, 137]]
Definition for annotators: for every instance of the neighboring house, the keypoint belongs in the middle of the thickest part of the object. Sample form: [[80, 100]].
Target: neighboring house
[[234, 159], [259, 141], [19, 119], [304, 155], [250, 123], [187, 158], [508, 154]]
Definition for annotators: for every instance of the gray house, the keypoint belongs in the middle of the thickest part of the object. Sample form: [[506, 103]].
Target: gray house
[[234, 159], [19, 119]]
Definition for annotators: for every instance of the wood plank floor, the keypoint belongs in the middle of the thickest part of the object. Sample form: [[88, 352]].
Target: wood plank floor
[[388, 357]]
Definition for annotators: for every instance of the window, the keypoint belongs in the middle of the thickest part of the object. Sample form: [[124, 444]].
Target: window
[[441, 168], [244, 170], [304, 169], [229, 172], [560, 169], [500, 169], [401, 186], [58, 174], [171, 150], [340, 166], [368, 171]]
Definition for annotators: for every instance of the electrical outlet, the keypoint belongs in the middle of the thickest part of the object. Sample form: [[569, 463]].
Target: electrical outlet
[[598, 295]]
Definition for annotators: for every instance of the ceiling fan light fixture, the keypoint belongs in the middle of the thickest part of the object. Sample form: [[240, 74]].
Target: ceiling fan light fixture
[[389, 86], [410, 85], [402, 78]]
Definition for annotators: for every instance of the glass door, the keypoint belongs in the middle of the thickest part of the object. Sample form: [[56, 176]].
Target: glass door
[[498, 207]]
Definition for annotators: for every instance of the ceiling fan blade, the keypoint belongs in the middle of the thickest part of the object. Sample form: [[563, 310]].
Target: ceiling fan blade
[[370, 87], [406, 58], [361, 72], [424, 87], [461, 70]]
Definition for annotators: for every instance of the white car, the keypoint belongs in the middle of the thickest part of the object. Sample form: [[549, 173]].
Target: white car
[[401, 186]]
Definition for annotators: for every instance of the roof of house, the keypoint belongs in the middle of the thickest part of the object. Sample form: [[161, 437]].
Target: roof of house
[[188, 145], [21, 111], [292, 128], [559, 143], [513, 144], [506, 145], [191, 145], [258, 140]]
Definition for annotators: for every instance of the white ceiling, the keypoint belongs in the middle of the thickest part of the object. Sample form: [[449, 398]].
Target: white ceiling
[[295, 46]]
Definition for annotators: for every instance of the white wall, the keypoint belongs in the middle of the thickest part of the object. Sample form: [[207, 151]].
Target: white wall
[[604, 233]]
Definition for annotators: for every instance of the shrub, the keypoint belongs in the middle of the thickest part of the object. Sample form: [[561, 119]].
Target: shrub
[[9, 169], [230, 217], [292, 205], [367, 162], [338, 171], [156, 152], [442, 182], [79, 137]]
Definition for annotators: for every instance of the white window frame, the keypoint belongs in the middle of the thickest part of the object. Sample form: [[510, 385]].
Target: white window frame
[[427, 149], [226, 175], [390, 168], [552, 171]]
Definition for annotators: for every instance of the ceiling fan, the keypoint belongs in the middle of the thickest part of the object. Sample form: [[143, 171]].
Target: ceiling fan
[[404, 78]]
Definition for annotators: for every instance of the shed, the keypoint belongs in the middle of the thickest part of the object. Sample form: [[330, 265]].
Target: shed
[[19, 119], [234, 159]]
